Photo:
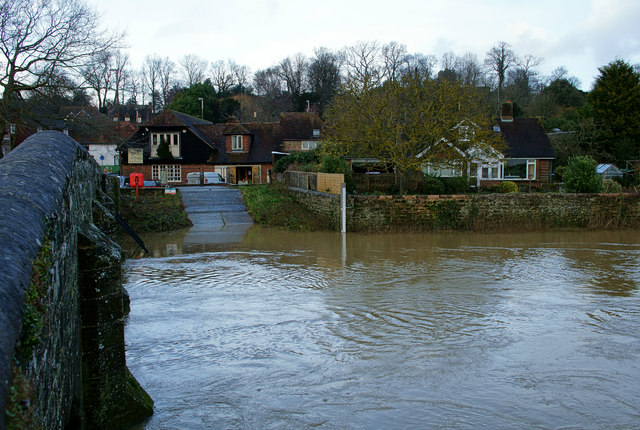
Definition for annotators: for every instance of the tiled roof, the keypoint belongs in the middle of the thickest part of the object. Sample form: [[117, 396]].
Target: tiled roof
[[299, 125], [526, 138]]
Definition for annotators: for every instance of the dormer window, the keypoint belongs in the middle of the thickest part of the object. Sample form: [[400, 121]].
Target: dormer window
[[465, 133], [236, 142], [316, 132]]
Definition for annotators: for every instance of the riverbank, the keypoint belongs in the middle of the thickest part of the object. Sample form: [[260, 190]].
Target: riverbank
[[274, 206], [154, 212]]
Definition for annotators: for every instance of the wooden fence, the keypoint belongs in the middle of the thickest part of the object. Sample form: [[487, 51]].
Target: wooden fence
[[387, 183]]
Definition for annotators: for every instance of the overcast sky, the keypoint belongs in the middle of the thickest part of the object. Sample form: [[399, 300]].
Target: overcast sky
[[580, 35]]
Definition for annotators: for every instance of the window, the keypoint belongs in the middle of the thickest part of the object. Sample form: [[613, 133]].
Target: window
[[173, 139], [174, 172], [491, 171], [236, 143], [465, 133], [309, 144], [518, 169], [445, 170]]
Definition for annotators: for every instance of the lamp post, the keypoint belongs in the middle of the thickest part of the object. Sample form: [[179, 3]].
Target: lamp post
[[201, 107]]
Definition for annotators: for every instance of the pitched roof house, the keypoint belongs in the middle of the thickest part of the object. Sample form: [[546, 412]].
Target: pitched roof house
[[241, 152], [527, 157]]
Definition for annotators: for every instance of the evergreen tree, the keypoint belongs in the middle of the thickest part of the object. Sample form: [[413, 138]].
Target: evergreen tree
[[163, 149], [615, 103]]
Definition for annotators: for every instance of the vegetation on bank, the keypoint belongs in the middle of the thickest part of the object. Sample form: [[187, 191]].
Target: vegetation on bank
[[273, 206], [154, 212]]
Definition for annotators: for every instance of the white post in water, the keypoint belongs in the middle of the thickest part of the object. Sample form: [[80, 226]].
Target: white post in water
[[343, 207]]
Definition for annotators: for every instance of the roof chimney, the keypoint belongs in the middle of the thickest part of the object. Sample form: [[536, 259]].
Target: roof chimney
[[506, 113]]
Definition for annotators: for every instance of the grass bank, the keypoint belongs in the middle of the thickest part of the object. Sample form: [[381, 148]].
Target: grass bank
[[154, 212], [273, 206]]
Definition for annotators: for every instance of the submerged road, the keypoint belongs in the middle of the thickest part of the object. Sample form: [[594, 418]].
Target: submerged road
[[215, 206]]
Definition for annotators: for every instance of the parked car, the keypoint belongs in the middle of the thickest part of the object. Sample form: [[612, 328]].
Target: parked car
[[208, 178]]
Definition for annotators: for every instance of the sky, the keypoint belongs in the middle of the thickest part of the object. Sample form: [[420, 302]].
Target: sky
[[581, 35]]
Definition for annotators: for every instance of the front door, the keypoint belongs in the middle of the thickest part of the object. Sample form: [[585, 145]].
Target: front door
[[243, 174]]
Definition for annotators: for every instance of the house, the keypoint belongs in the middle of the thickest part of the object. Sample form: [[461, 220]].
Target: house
[[100, 135], [527, 157], [300, 130], [241, 152], [609, 171], [92, 129]]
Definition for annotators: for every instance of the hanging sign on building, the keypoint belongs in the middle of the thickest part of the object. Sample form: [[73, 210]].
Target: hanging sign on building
[[135, 156]]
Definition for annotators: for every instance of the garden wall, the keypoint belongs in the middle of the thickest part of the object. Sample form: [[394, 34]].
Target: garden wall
[[481, 212]]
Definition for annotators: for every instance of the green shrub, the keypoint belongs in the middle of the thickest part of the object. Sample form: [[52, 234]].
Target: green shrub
[[581, 176], [611, 186], [302, 158], [432, 185], [332, 164], [508, 187], [455, 185]]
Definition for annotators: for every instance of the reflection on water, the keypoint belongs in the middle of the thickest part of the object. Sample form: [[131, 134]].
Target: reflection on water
[[453, 330]]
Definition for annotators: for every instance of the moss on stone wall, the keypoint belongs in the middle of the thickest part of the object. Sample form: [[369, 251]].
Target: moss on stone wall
[[19, 412], [480, 212]]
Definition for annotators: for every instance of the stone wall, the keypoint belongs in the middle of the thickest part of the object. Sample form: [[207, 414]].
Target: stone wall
[[55, 319], [488, 212]]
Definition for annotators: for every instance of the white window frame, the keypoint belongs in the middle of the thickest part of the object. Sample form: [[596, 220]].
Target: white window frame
[[444, 170], [236, 142], [307, 145], [465, 133], [530, 175], [174, 172], [172, 138], [495, 171]]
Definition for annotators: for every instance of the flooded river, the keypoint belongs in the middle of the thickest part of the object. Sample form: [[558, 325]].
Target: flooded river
[[270, 329]]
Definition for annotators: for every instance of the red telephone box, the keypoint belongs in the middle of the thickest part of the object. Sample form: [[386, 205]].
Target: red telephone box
[[136, 180]]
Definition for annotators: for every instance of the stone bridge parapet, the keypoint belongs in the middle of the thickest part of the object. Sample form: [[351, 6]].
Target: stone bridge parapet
[[62, 362]]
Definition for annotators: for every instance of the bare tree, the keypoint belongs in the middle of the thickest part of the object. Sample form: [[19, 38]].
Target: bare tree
[[523, 80], [449, 61], [292, 71], [151, 79], [324, 75], [240, 75], [99, 76], [469, 70], [269, 87], [120, 76], [40, 39], [499, 59], [420, 65], [194, 68], [222, 76], [362, 63], [167, 70], [393, 57]]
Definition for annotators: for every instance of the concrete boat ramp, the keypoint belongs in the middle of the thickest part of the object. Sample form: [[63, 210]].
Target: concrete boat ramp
[[218, 213]]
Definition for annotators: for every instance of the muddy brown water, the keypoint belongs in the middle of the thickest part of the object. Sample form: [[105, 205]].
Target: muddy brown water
[[258, 328]]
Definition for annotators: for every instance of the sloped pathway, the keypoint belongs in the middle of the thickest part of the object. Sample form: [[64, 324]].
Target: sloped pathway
[[215, 206]]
